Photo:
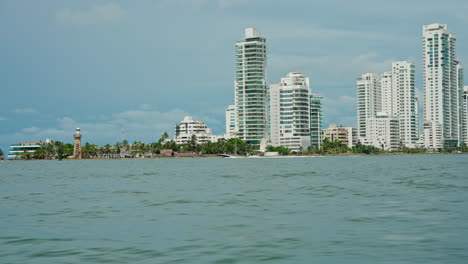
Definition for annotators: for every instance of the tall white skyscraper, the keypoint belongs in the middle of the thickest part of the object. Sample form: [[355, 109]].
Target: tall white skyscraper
[[442, 93], [389, 104], [369, 100], [405, 102], [295, 114], [391, 96], [250, 87], [290, 112]]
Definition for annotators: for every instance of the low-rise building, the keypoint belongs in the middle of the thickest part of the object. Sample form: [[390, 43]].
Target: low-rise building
[[382, 131], [188, 128], [30, 147], [346, 135]]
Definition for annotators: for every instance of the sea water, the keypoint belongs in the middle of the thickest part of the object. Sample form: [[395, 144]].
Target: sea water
[[353, 209]]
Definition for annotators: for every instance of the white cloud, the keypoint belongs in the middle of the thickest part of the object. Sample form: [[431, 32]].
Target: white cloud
[[340, 110], [144, 125], [2, 118], [30, 130], [98, 14], [25, 110], [345, 68]]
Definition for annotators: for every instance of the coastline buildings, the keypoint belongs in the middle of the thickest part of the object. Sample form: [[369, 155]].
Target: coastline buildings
[[464, 121], [383, 131], [20, 148], [346, 135], [231, 129], [294, 113], [389, 96], [188, 128], [404, 102], [250, 87], [442, 91], [369, 100]]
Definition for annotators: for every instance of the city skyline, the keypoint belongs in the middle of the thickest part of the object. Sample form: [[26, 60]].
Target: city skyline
[[113, 92]]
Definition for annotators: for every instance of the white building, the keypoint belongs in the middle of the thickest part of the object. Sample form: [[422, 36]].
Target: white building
[[231, 129], [189, 128], [389, 104], [291, 111], [369, 100], [464, 121], [442, 93], [383, 131], [250, 87], [404, 102], [394, 94]]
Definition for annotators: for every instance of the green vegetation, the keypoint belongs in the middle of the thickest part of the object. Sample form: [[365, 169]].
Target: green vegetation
[[1, 152], [280, 149], [138, 149]]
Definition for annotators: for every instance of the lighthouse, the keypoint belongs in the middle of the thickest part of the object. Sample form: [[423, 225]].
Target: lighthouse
[[77, 144]]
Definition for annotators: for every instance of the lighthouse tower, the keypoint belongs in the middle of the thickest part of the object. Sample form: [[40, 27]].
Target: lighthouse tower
[[77, 144]]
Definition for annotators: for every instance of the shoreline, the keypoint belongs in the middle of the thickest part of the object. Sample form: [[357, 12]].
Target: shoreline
[[254, 156]]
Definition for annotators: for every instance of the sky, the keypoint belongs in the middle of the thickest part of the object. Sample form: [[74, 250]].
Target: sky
[[133, 69]]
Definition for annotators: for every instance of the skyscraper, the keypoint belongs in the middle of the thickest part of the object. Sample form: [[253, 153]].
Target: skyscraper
[[231, 130], [442, 93], [294, 113], [369, 100], [250, 87], [405, 102], [464, 120]]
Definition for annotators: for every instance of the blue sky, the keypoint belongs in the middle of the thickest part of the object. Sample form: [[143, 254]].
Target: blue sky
[[140, 66]]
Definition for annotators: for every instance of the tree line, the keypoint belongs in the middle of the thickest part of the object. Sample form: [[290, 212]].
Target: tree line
[[234, 146]]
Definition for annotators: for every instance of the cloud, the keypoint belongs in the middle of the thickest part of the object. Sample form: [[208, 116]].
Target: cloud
[[345, 68], [25, 111], [141, 124], [340, 110], [2, 118], [98, 14]]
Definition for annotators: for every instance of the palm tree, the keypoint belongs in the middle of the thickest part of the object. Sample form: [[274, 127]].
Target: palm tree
[[163, 137]]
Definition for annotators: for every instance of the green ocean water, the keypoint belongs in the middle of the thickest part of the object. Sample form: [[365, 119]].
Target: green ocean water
[[356, 209]]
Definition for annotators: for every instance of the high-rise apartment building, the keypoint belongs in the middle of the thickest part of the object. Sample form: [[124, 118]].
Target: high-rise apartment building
[[231, 129], [392, 95], [292, 108], [295, 114], [464, 120], [405, 102], [442, 93], [316, 120], [369, 100], [250, 87]]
